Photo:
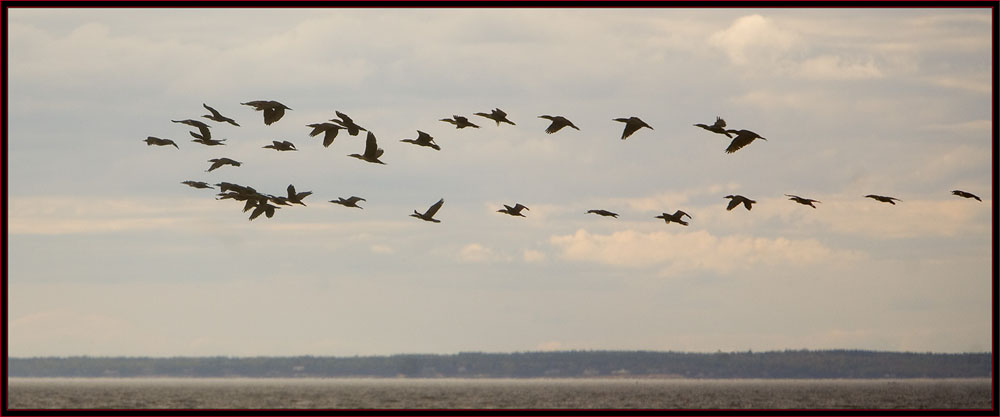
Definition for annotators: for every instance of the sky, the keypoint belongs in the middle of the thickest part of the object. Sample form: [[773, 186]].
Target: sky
[[110, 255]]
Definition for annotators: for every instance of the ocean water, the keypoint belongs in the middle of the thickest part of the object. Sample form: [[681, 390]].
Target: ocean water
[[447, 393]]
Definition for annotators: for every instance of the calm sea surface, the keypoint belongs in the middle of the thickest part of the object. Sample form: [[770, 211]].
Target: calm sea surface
[[253, 393]]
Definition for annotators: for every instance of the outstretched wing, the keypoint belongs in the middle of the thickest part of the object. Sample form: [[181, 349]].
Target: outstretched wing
[[742, 139], [433, 209], [371, 146], [733, 203]]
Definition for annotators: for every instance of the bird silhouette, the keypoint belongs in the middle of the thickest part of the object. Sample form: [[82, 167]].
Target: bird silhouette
[[677, 217], [513, 211], [372, 151], [743, 138], [263, 207], [423, 139], [558, 122], [203, 129], [279, 200], [429, 214], [153, 140], [207, 142], [197, 184], [217, 117], [632, 124], [329, 131], [496, 115], [350, 202], [281, 146], [352, 128], [718, 127], [966, 194], [295, 197], [604, 213], [460, 122], [805, 201], [735, 200], [883, 198], [273, 110], [218, 162]]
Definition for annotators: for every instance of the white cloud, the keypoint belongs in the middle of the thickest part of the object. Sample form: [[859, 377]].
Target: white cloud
[[678, 252], [474, 252], [754, 39]]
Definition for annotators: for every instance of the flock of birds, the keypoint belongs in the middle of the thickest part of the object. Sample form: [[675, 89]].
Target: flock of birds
[[262, 203]]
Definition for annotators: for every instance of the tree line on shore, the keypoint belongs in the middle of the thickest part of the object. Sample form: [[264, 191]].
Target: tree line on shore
[[563, 364]]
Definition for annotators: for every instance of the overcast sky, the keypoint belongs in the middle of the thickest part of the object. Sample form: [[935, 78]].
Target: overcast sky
[[109, 254]]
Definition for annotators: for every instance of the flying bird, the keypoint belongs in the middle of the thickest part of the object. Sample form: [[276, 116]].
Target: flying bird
[[966, 194], [207, 142], [279, 199], [496, 115], [558, 122], [153, 140], [804, 201], [197, 184], [735, 200], [423, 139], [217, 117], [350, 202], [218, 162], [743, 138], [677, 217], [273, 110], [718, 127], [460, 122], [513, 211], [603, 213], [263, 207], [429, 214], [295, 197], [200, 125], [352, 128], [372, 151], [281, 146], [883, 198], [329, 131], [632, 124]]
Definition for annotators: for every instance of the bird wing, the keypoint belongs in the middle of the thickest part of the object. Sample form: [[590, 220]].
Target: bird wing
[[329, 136], [678, 214], [742, 139], [519, 207], [732, 204], [747, 203], [371, 147], [630, 127], [433, 209], [215, 113], [273, 114], [354, 199]]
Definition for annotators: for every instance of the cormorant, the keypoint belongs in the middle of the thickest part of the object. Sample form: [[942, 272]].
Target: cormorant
[[202, 128], [718, 127], [294, 197], [352, 128], [429, 214], [804, 201], [966, 194], [735, 200], [883, 198], [743, 138], [558, 122], [350, 202], [460, 122], [372, 151], [423, 139], [281, 146], [631, 125], [197, 184], [152, 140], [273, 110], [218, 162], [603, 213], [329, 131], [677, 217], [496, 115], [513, 211], [217, 117]]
